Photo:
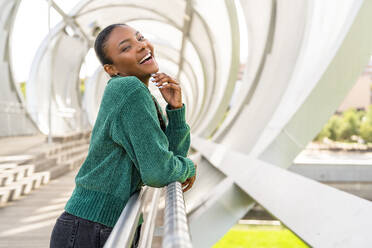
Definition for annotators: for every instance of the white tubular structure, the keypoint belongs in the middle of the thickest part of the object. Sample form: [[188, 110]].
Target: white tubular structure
[[302, 59], [14, 118]]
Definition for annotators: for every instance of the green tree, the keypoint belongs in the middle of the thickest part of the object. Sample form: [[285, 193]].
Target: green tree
[[324, 133], [366, 126], [330, 129], [349, 125], [23, 88], [332, 126], [82, 86]]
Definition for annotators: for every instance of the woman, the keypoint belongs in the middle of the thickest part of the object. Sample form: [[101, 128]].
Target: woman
[[130, 143]]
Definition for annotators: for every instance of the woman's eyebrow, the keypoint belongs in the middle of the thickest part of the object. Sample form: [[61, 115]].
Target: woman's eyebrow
[[123, 41]]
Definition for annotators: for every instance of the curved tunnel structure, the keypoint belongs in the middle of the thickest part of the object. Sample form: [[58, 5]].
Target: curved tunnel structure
[[303, 58]]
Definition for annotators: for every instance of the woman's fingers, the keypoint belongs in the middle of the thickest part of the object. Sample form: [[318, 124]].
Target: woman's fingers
[[158, 76], [185, 183], [169, 88], [163, 81], [190, 183], [161, 78], [188, 186], [167, 84]]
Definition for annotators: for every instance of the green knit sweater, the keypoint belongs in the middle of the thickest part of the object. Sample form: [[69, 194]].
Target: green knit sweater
[[128, 149]]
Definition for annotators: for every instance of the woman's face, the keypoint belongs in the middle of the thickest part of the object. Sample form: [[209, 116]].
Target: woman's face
[[131, 54]]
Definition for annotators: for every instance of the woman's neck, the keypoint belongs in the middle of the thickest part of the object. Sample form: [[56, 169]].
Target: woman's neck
[[145, 80]]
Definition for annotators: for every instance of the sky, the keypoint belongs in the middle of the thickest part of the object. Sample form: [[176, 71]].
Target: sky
[[31, 27]]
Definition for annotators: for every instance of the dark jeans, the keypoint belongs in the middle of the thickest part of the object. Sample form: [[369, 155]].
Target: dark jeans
[[75, 232]]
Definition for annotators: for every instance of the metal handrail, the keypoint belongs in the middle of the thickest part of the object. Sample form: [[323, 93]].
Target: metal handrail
[[149, 224], [123, 232], [176, 229]]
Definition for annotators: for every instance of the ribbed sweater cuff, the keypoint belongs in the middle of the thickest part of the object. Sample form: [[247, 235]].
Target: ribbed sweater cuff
[[176, 117], [191, 168]]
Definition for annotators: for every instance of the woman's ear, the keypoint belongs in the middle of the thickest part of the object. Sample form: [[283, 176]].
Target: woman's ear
[[110, 69]]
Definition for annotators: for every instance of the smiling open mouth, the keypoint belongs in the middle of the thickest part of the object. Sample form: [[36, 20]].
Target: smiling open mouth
[[147, 59]]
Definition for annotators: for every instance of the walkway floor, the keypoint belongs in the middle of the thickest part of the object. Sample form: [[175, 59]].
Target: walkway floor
[[28, 222], [19, 144]]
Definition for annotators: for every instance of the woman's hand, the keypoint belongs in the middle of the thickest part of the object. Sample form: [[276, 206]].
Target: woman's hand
[[186, 185], [169, 88]]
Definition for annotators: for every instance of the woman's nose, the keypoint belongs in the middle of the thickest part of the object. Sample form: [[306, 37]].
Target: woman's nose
[[142, 45]]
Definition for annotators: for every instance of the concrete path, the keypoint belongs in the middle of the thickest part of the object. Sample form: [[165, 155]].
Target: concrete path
[[28, 222], [17, 145]]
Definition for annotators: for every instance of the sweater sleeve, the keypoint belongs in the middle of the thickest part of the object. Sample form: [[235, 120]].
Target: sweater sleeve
[[178, 131], [136, 128]]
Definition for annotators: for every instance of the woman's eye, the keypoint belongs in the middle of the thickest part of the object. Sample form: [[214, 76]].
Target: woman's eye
[[125, 48]]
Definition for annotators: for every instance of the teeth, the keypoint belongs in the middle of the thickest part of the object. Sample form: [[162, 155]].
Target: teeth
[[146, 57]]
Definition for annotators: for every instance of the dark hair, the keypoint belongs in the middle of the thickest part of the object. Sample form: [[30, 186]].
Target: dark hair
[[100, 42], [162, 123]]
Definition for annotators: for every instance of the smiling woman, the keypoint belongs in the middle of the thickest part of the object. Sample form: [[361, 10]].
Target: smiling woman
[[130, 146], [124, 53]]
